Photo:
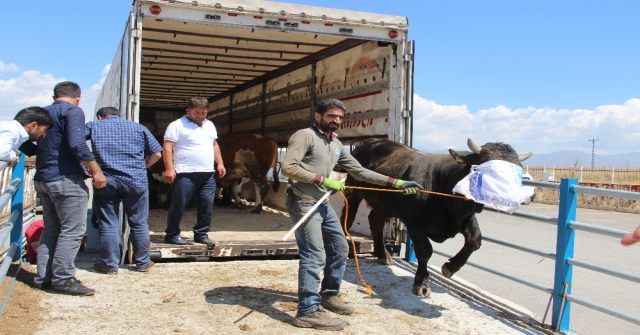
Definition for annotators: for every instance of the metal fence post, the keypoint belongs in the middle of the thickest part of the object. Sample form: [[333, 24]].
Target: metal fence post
[[16, 205], [410, 252], [564, 250]]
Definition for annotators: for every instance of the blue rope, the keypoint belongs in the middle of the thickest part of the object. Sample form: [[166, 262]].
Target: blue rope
[[13, 283]]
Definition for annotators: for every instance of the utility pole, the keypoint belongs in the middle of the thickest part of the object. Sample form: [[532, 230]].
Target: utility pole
[[593, 150]]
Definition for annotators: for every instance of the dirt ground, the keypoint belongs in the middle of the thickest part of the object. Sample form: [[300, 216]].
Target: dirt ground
[[248, 296], [237, 297]]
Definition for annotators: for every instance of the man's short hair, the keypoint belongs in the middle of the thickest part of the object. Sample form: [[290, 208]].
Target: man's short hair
[[198, 102], [35, 113], [67, 89], [327, 104], [108, 111]]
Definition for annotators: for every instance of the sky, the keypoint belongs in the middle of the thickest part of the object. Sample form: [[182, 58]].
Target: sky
[[543, 76]]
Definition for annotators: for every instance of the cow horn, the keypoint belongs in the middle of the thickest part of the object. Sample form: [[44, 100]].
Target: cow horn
[[474, 147], [524, 157]]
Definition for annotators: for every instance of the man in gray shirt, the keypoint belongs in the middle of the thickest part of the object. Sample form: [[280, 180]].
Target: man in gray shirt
[[310, 158]]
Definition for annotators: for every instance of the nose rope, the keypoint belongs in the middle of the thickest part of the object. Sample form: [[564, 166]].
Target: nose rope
[[353, 243]]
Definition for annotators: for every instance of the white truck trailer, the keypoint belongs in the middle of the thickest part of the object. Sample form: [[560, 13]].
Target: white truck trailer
[[263, 66]]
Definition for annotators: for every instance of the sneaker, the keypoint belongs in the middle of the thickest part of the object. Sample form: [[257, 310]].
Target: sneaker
[[103, 268], [319, 320], [204, 240], [335, 304], [145, 268], [44, 286], [73, 287]]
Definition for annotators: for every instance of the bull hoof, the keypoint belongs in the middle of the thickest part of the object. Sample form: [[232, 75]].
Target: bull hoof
[[446, 272], [255, 211], [422, 291]]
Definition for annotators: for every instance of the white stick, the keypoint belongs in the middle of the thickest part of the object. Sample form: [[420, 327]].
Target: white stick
[[311, 211]]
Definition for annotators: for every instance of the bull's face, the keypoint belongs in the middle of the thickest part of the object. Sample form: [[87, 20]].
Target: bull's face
[[487, 152]]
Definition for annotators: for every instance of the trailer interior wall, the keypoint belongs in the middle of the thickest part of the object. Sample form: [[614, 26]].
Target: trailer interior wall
[[265, 66]]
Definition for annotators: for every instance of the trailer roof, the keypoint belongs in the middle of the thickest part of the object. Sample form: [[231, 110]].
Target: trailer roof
[[185, 54]]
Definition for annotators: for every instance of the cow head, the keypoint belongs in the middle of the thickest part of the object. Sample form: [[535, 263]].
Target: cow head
[[487, 152]]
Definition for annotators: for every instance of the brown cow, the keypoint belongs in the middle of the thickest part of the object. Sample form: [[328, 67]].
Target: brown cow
[[246, 157]]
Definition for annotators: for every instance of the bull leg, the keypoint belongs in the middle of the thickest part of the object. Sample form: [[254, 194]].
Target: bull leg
[[237, 190], [472, 241], [377, 223], [424, 250], [261, 194]]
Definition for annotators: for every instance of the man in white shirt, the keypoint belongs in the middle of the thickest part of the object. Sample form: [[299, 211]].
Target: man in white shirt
[[189, 151], [29, 124]]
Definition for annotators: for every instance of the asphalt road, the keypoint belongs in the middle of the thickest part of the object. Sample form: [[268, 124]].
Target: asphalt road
[[595, 287]]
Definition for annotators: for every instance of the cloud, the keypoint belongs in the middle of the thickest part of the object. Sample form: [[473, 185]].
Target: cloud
[[32, 88], [540, 130], [8, 67]]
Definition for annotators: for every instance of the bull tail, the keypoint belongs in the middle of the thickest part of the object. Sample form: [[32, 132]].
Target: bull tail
[[276, 179]]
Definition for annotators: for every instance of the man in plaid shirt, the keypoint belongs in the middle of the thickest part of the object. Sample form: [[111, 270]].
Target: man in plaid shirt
[[123, 149]]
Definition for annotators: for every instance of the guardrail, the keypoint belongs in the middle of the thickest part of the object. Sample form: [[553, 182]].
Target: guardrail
[[560, 293], [12, 229]]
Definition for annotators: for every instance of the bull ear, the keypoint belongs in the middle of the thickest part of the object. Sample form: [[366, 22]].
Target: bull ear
[[524, 157], [457, 157], [474, 147]]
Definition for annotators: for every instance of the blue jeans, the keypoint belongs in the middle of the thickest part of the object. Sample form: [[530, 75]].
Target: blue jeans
[[202, 185], [64, 210], [322, 246], [135, 201]]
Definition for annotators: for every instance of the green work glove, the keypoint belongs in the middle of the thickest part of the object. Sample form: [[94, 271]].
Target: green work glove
[[409, 187], [333, 184]]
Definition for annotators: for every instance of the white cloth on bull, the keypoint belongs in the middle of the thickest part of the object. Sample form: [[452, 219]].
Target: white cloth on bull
[[497, 184]]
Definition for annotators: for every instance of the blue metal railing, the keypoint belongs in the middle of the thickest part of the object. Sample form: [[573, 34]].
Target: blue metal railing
[[12, 229], [564, 259]]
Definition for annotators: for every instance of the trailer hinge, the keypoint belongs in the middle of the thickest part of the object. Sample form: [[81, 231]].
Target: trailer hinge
[[135, 33], [405, 113], [407, 57]]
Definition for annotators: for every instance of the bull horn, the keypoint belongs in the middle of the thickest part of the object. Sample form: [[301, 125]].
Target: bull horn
[[524, 157], [474, 147]]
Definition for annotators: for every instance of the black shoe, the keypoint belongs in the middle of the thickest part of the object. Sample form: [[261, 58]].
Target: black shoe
[[44, 286], [103, 268], [204, 240], [73, 287], [177, 240]]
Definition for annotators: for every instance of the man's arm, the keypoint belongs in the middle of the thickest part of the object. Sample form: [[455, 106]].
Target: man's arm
[[167, 156], [299, 143], [217, 155], [99, 180], [150, 160], [7, 138], [152, 149], [75, 131]]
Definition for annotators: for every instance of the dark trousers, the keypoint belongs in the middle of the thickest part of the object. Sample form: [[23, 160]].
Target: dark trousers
[[202, 186], [135, 201]]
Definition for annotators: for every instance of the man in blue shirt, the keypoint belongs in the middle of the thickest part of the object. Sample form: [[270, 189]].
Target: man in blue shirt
[[123, 149], [61, 163]]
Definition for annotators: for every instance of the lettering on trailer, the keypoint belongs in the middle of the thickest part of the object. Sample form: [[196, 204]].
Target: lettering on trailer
[[358, 123]]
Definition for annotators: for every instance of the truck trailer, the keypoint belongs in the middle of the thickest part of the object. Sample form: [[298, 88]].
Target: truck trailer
[[263, 66]]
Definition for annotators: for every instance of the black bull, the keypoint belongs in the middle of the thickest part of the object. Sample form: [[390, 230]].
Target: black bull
[[426, 216], [245, 156]]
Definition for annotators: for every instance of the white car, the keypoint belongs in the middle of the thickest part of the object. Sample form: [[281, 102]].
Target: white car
[[526, 176]]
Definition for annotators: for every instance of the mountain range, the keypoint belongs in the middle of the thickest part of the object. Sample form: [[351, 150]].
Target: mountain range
[[579, 158]]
